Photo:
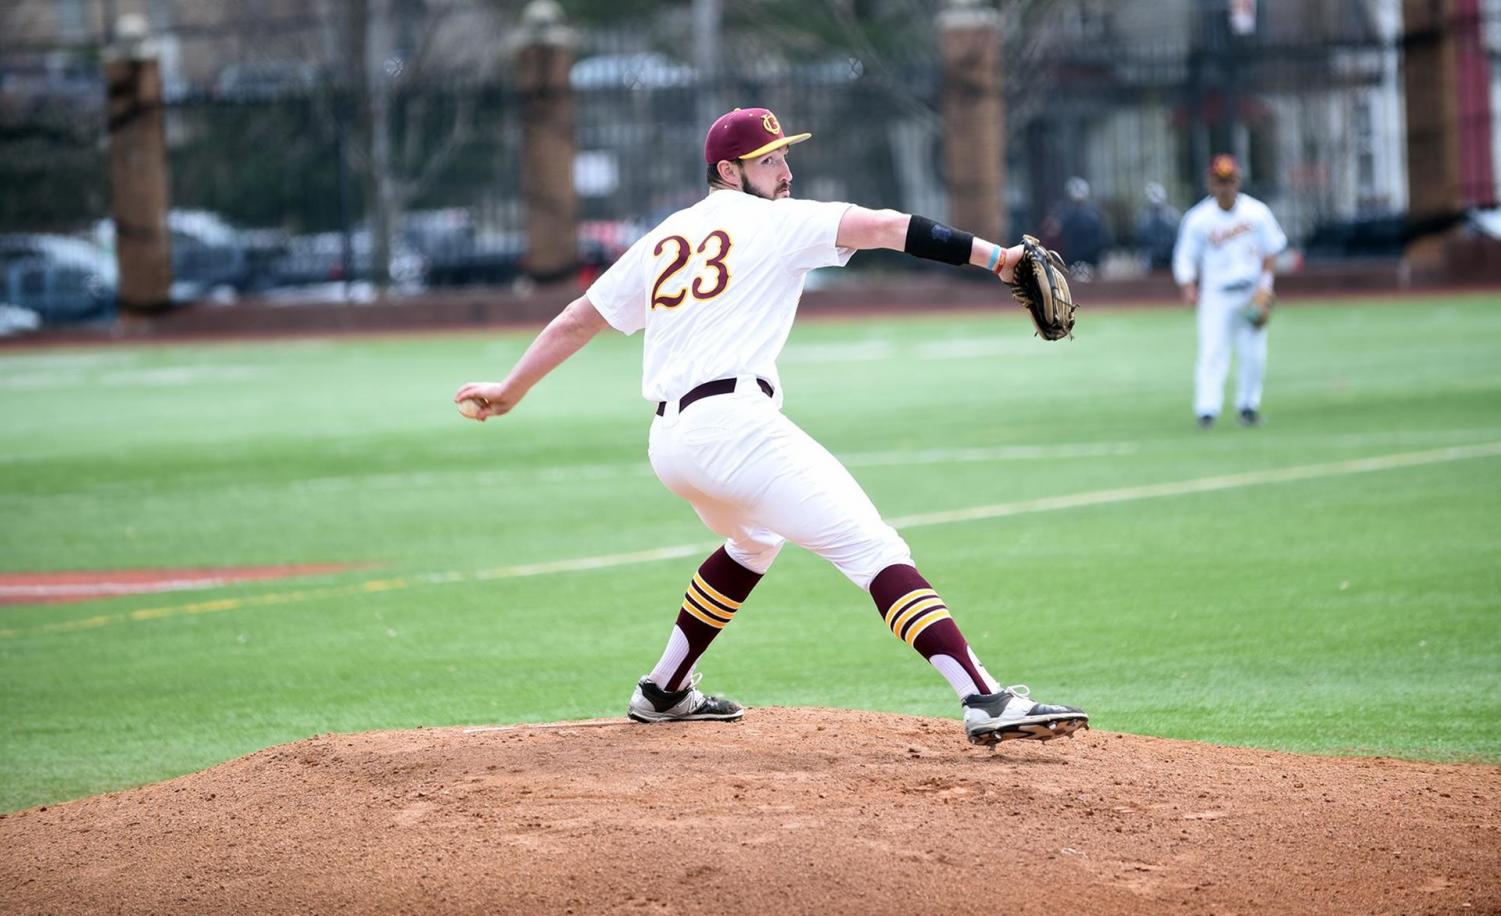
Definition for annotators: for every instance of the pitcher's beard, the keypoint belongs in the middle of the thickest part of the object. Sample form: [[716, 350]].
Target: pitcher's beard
[[783, 189]]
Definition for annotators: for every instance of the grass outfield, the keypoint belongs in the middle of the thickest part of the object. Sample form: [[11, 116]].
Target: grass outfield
[[1342, 608]]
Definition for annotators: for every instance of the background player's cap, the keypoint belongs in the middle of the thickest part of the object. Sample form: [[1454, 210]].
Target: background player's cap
[[746, 133], [1224, 167]]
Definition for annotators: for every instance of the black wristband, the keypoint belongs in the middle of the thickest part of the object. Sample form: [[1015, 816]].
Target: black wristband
[[937, 242]]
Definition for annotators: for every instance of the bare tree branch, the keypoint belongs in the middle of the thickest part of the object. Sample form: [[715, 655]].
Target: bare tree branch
[[463, 128]]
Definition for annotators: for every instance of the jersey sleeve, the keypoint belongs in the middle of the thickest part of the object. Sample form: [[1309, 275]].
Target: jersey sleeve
[[1273, 239], [1187, 251], [807, 229], [620, 292]]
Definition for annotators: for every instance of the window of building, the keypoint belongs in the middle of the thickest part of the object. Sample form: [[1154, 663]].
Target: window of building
[[73, 19]]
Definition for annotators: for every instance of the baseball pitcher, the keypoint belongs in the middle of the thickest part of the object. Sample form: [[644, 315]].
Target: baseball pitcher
[[715, 288], [1227, 248]]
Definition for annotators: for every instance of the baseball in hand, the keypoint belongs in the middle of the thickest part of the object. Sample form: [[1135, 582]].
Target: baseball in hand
[[470, 407]]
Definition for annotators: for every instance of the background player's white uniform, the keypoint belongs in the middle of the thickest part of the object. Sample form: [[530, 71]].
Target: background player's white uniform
[[716, 288], [1222, 251]]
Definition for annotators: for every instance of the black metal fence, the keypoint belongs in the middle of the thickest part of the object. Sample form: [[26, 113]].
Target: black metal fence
[[1315, 114]]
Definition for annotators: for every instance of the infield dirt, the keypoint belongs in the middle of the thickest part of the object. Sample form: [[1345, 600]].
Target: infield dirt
[[789, 811]]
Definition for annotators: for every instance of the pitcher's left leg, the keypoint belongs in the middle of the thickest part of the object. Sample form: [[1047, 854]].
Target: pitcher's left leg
[[919, 617], [811, 498]]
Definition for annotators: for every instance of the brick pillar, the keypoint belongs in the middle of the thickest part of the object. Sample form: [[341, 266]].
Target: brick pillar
[[974, 118], [138, 183], [1448, 125], [1477, 171], [547, 146]]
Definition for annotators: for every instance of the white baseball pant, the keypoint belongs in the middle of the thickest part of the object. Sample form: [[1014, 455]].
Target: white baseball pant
[[1223, 327], [757, 479]]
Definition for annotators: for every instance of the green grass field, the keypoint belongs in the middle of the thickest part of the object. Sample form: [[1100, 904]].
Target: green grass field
[[1343, 608]]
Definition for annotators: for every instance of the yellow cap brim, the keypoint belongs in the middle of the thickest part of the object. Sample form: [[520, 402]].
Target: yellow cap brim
[[776, 144]]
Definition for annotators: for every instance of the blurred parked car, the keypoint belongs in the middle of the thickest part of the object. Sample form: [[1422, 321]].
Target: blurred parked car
[[1370, 237], [16, 320], [612, 236], [59, 277], [432, 232], [477, 260], [1484, 222], [801, 72], [498, 260], [212, 259], [265, 79], [631, 71], [319, 258], [30, 85]]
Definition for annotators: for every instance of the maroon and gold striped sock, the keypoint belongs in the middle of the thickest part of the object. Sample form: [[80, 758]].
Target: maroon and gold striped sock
[[917, 616], [713, 597]]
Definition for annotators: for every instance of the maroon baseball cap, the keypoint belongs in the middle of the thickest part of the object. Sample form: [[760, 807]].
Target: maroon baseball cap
[[1224, 167], [746, 133]]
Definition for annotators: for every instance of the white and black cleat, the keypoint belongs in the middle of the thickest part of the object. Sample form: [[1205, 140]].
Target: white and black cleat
[[1012, 715], [651, 703]]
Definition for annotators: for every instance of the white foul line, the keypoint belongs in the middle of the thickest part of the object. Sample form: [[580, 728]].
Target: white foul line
[[973, 513], [1050, 504], [619, 470], [586, 563], [1203, 485]]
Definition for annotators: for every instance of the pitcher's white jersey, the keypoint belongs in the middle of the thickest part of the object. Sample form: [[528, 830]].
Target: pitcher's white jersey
[[716, 286], [1224, 248]]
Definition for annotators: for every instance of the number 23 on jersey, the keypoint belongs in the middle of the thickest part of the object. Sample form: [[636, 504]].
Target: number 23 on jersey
[[709, 278]]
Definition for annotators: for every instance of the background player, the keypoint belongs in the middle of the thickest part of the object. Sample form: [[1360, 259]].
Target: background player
[[716, 288], [1224, 261]]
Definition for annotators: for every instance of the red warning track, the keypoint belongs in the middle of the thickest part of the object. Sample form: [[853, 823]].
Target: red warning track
[[88, 585]]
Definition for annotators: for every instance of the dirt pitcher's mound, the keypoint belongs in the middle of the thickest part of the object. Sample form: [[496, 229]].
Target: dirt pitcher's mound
[[790, 811]]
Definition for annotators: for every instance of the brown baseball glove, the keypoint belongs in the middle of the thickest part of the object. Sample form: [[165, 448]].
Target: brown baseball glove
[[1040, 284], [1259, 312]]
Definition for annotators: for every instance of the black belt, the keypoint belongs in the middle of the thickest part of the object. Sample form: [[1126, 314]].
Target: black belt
[[1239, 287], [708, 389]]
